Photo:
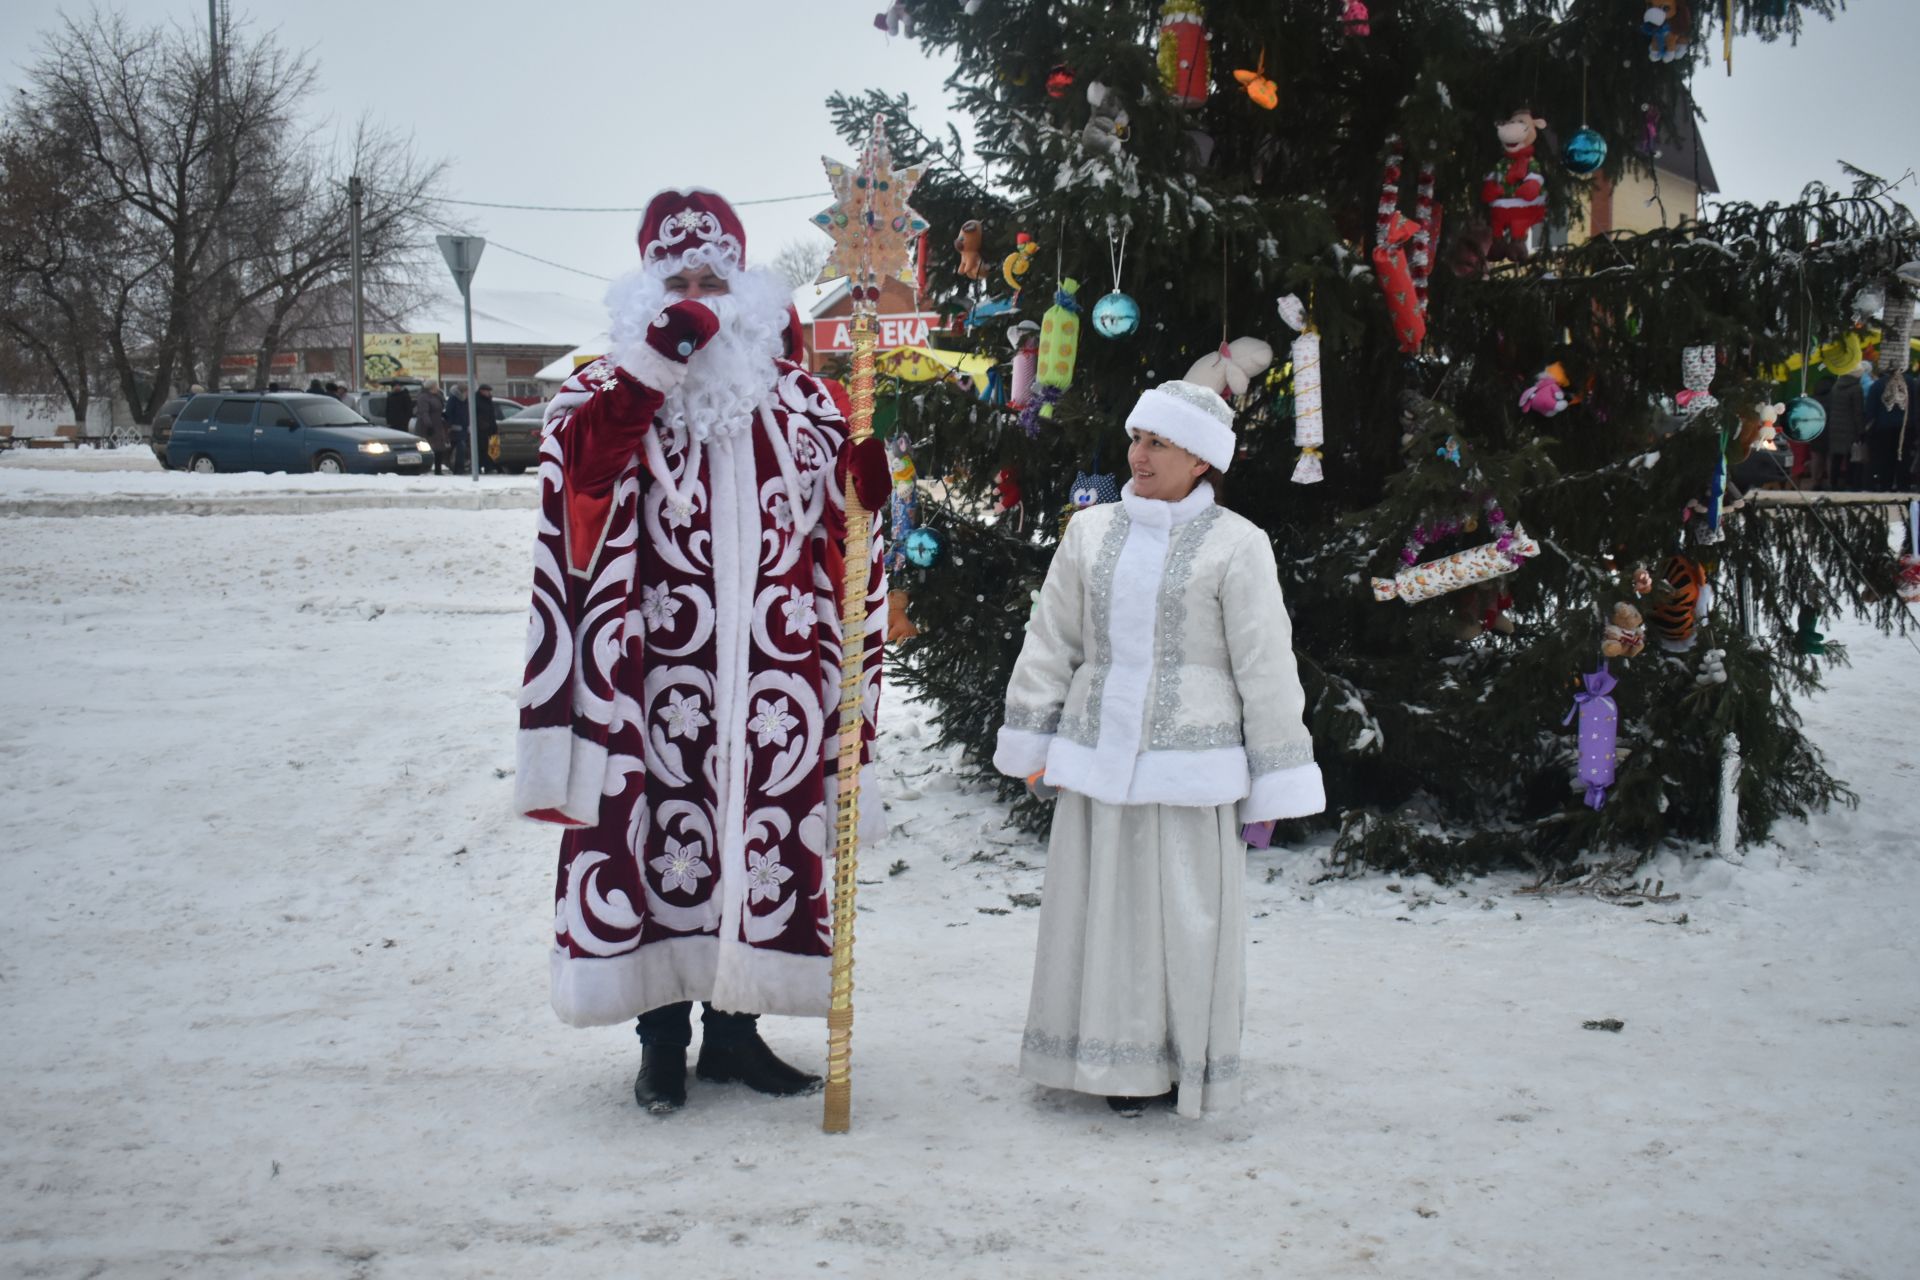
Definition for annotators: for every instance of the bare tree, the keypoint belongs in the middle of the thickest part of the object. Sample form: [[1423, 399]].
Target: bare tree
[[227, 223], [299, 252], [800, 261], [51, 225]]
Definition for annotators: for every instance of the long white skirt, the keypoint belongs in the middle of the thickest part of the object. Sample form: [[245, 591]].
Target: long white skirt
[[1139, 982]]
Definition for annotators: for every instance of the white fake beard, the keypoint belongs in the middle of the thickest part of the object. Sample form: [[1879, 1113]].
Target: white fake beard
[[729, 377]]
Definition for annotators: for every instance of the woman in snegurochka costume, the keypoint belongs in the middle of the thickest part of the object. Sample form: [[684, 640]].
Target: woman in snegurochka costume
[[1157, 692]]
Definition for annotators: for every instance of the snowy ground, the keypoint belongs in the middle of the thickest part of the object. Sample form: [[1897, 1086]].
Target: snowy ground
[[274, 984]]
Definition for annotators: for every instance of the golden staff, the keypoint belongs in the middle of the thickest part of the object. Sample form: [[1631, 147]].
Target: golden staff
[[872, 230]]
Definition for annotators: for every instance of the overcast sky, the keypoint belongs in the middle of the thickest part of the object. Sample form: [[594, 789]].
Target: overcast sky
[[603, 102]]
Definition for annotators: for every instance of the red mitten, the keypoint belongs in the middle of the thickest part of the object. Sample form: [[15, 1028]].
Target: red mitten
[[872, 479], [671, 340]]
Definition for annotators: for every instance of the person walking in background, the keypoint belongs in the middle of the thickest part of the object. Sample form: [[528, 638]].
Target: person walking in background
[[399, 407], [457, 427], [430, 413], [486, 421], [1157, 695], [315, 388]]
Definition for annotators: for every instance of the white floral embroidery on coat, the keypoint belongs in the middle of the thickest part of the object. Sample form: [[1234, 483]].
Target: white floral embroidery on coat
[[801, 612], [658, 606], [681, 867], [771, 721], [683, 715], [765, 875]]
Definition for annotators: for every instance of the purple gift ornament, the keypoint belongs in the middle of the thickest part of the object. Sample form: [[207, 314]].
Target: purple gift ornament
[[1599, 733]]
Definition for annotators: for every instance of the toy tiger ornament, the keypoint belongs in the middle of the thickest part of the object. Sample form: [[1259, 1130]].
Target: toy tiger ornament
[[1687, 597]]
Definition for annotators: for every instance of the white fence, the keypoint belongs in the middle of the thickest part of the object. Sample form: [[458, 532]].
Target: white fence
[[34, 416]]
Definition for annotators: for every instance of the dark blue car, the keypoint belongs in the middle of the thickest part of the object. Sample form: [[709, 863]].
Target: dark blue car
[[285, 431]]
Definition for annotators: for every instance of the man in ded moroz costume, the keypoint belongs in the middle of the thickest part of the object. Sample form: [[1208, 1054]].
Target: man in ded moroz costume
[[680, 707]]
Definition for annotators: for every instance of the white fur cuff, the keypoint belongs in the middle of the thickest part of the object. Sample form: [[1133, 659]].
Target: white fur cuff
[[556, 770], [1021, 753], [1285, 793], [651, 368]]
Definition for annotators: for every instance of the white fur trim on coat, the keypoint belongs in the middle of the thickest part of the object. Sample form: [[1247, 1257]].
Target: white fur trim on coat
[[651, 368], [598, 991], [1285, 793], [556, 769], [1021, 753]]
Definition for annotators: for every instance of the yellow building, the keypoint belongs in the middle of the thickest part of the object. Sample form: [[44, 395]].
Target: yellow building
[[1663, 193]]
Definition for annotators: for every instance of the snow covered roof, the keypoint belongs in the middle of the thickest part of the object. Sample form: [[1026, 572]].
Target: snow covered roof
[[811, 299], [513, 317], [562, 368]]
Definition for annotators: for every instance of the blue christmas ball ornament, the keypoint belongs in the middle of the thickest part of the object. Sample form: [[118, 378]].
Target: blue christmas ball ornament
[[923, 547], [1116, 315], [1585, 152], [1806, 419]]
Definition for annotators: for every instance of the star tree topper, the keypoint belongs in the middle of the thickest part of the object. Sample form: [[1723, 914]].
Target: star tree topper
[[872, 227]]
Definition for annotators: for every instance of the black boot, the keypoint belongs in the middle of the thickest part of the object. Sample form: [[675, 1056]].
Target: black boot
[[661, 1086], [731, 1051], [1131, 1107]]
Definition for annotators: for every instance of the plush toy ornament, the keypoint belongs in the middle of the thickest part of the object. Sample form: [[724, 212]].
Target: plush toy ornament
[[1018, 263], [1625, 635], [1232, 369], [1668, 27], [1516, 193], [1697, 365], [896, 21], [1548, 395], [967, 245], [1688, 596], [1355, 20], [1107, 129], [1092, 490]]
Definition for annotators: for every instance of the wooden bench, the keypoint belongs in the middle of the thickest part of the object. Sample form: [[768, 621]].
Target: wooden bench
[[63, 437], [6, 437]]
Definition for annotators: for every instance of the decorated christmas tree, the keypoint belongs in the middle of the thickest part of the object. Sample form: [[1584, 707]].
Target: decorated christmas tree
[[1497, 452]]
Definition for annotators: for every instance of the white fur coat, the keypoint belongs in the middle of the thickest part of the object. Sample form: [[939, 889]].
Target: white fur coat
[[1159, 667]]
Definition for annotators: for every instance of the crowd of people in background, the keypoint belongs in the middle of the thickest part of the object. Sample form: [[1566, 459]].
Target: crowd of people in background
[[1870, 443]]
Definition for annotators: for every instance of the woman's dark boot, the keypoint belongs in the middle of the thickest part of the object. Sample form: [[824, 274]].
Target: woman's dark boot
[[731, 1051]]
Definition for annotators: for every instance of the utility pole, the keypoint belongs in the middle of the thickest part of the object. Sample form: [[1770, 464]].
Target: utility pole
[[215, 170], [355, 195], [463, 255]]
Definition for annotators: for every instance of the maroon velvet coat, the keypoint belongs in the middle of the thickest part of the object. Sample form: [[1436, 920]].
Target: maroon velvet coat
[[680, 707]]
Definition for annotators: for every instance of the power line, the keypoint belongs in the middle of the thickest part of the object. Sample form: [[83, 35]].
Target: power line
[[522, 253], [545, 262], [566, 208]]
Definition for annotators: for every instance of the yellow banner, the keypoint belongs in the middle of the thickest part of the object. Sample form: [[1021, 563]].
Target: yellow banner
[[401, 355]]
